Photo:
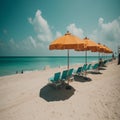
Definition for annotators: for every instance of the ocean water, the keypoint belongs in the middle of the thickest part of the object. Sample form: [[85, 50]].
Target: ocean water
[[9, 65]]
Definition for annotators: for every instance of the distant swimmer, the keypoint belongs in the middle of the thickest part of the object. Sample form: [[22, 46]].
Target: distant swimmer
[[22, 72]]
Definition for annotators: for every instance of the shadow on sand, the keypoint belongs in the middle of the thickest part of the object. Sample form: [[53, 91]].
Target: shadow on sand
[[82, 78], [95, 72], [51, 94], [101, 68]]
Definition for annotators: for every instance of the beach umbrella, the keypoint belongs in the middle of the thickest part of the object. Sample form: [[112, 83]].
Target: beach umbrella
[[89, 45], [108, 50], [67, 41], [103, 49], [100, 49]]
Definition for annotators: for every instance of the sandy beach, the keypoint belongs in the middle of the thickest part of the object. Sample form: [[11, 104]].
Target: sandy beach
[[28, 97]]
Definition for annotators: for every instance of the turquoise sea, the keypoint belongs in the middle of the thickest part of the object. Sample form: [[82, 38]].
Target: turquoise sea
[[9, 65]]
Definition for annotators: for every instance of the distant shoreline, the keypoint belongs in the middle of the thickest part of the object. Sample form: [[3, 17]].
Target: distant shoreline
[[47, 56], [11, 64]]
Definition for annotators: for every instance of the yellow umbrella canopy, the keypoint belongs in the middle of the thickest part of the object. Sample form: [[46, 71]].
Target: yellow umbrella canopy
[[68, 41], [89, 45], [108, 50], [102, 48]]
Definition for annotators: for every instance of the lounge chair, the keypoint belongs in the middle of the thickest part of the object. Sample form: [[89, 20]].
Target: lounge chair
[[84, 68], [96, 67], [105, 62], [70, 74], [89, 67], [78, 71], [64, 75], [55, 80]]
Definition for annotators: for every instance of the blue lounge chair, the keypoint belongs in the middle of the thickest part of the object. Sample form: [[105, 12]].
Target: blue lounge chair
[[64, 75], [89, 67], [70, 74], [84, 68], [96, 67], [78, 71], [55, 80]]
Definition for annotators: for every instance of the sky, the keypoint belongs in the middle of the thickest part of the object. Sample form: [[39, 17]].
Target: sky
[[27, 27]]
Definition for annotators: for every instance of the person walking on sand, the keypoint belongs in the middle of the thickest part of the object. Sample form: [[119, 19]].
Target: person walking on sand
[[113, 56], [119, 59], [22, 72]]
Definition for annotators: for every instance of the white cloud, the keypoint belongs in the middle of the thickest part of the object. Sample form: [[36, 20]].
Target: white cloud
[[13, 44], [58, 34], [100, 21], [41, 27], [111, 30], [32, 41], [72, 28], [32, 44], [107, 33]]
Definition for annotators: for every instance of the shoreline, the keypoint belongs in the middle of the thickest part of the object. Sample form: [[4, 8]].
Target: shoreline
[[45, 68], [12, 66]]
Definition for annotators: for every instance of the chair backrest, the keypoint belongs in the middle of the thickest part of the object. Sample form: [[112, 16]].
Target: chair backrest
[[95, 66], [70, 72], [105, 62], [57, 76], [64, 74], [84, 67], [79, 70], [88, 67]]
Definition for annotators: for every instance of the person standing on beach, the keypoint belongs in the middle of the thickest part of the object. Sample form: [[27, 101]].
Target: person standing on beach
[[118, 58], [22, 72], [113, 56]]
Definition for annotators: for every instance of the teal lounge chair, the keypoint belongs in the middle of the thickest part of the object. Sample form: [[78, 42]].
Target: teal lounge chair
[[70, 74], [55, 80], [64, 75], [95, 67], [84, 68], [78, 71], [89, 67]]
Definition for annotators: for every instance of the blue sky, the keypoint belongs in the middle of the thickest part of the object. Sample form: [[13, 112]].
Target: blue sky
[[28, 26]]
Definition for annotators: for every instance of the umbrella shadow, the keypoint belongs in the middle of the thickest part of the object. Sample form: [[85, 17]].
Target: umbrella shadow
[[101, 68], [95, 72], [51, 94], [82, 78]]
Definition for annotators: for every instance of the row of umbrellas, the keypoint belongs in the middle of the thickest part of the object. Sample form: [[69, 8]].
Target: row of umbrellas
[[69, 41]]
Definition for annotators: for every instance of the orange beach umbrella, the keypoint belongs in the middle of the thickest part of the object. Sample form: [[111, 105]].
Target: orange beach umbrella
[[104, 49], [108, 50], [89, 45], [67, 41]]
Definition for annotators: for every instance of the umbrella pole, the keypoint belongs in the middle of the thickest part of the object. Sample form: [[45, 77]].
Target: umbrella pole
[[98, 56], [68, 63], [86, 57], [68, 59], [85, 61]]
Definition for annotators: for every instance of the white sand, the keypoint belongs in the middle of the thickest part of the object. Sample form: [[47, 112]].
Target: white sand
[[26, 97]]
